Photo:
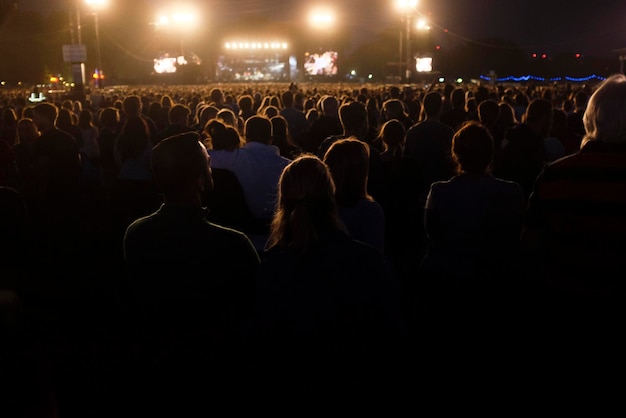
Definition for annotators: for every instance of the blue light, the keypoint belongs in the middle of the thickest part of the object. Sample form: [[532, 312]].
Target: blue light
[[537, 78]]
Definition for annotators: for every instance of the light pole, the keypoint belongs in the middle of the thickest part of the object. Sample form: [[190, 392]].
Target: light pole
[[95, 6], [407, 8]]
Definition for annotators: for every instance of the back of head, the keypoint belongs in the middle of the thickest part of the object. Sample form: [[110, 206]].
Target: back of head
[[279, 128], [392, 133], [488, 111], [481, 94], [353, 116], [457, 98], [605, 116], [393, 108], [178, 114], [221, 137], [26, 130], [580, 99], [287, 98], [64, 119], [46, 111], [85, 118], [271, 111], [109, 117], [348, 161], [330, 105], [245, 102], [216, 95], [537, 110], [177, 163], [306, 204], [395, 92], [258, 129], [132, 105], [227, 116], [432, 104], [472, 148]]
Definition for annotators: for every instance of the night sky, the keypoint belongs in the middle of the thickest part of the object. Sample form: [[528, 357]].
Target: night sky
[[543, 25]]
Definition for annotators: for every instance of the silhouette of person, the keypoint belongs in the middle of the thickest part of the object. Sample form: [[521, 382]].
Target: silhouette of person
[[325, 302]]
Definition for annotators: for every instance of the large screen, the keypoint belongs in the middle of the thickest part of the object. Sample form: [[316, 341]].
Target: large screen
[[167, 64], [324, 63], [424, 64]]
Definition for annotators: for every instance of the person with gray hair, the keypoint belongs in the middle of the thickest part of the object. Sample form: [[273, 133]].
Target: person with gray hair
[[574, 240]]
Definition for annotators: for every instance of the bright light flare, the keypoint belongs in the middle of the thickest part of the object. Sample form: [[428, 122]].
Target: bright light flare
[[406, 6], [181, 18], [322, 18], [97, 4], [422, 25]]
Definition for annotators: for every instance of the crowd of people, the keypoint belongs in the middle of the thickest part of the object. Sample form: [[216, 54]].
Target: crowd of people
[[174, 246]]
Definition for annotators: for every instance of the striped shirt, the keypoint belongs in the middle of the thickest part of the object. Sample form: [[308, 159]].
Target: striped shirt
[[578, 205]]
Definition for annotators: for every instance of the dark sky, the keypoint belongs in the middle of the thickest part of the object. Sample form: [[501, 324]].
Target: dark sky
[[590, 27]]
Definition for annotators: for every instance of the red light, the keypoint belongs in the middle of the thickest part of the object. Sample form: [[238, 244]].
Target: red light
[[544, 56], [445, 30], [534, 55], [577, 55], [438, 47]]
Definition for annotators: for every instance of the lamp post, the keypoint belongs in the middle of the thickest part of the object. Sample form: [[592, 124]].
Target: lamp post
[[407, 8], [95, 6]]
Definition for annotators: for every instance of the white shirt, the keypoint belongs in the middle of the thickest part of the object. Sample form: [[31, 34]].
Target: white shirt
[[258, 168]]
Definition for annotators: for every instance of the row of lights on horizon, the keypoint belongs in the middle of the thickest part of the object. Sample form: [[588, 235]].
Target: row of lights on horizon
[[545, 56]]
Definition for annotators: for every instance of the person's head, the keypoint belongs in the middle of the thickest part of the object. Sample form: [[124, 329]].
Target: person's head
[[178, 114], [64, 119], [488, 112], [472, 148], [348, 162], [280, 130], [85, 119], [539, 116], [228, 117], [208, 113], [432, 104], [109, 117], [270, 111], [312, 115], [216, 96], [605, 115], [134, 137], [221, 136], [457, 98], [392, 134], [44, 115], [26, 131], [306, 204], [131, 105], [8, 115], [330, 105], [353, 118], [245, 103], [580, 100], [166, 101], [258, 129], [287, 98], [393, 109], [180, 165]]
